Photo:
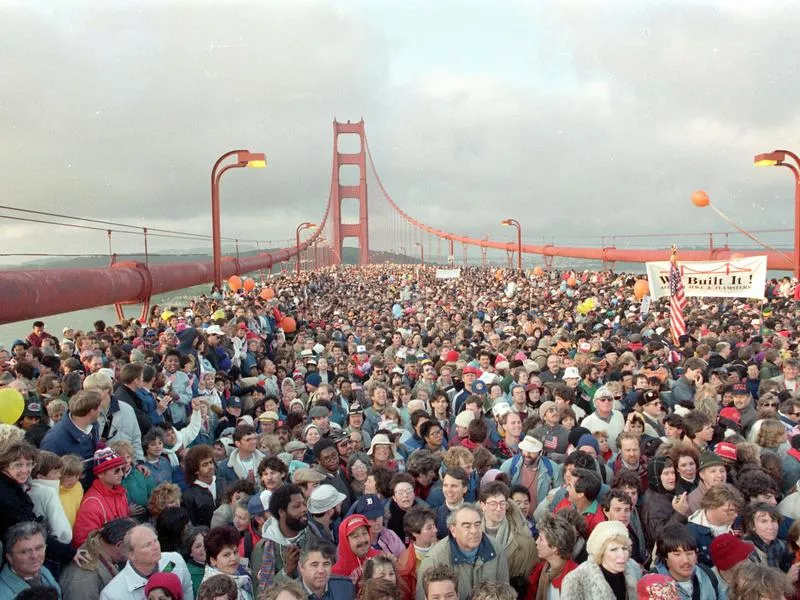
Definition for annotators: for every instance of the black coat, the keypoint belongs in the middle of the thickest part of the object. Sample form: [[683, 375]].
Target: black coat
[[124, 394], [199, 503]]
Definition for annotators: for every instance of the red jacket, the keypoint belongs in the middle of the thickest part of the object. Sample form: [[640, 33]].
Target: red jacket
[[407, 573], [100, 505], [350, 565]]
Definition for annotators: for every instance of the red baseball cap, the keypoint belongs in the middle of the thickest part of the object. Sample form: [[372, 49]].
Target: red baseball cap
[[354, 522]]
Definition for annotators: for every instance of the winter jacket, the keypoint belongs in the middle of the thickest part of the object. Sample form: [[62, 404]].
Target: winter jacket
[[232, 470], [120, 423], [47, 505], [518, 545], [244, 584], [490, 565], [12, 584], [588, 583], [126, 395], [548, 476], [557, 582], [407, 573], [100, 505], [138, 486], [657, 512], [350, 565], [65, 438], [705, 582], [683, 391], [16, 506], [82, 583], [200, 504]]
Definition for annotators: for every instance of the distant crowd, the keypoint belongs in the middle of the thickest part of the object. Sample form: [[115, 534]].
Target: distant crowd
[[381, 434]]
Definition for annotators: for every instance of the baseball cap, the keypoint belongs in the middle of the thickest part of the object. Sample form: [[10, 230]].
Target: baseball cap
[[33, 409], [370, 506], [731, 413], [726, 451], [318, 411], [307, 475], [353, 522], [740, 389]]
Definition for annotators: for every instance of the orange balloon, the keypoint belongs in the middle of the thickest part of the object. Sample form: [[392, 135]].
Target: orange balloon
[[249, 285], [267, 293], [288, 324], [700, 199], [571, 282], [640, 288], [538, 271], [235, 283]]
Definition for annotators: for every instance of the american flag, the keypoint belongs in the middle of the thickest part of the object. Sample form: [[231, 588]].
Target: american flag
[[677, 303]]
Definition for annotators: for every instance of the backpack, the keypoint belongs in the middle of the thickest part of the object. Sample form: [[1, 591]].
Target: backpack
[[548, 466]]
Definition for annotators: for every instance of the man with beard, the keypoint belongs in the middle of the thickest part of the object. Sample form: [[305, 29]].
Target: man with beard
[[532, 470], [354, 547], [324, 505], [285, 533]]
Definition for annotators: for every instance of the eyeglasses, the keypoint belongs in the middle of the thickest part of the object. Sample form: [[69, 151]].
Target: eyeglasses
[[770, 404], [435, 432], [21, 465], [496, 504]]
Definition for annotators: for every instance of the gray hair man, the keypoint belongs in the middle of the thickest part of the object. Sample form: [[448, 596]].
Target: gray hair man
[[143, 551], [473, 555], [24, 546]]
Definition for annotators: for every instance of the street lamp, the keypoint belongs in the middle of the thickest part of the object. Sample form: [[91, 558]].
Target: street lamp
[[421, 252], [515, 223], [777, 158], [244, 158], [300, 228]]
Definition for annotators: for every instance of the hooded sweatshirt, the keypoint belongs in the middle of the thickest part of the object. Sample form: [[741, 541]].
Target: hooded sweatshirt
[[350, 565]]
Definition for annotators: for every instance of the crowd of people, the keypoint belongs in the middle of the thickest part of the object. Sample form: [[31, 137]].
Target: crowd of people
[[382, 434]]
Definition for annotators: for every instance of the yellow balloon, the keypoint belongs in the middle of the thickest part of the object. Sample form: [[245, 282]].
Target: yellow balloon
[[11, 406]]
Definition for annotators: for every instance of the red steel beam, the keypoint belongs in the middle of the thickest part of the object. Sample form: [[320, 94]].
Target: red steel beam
[[31, 294], [776, 261]]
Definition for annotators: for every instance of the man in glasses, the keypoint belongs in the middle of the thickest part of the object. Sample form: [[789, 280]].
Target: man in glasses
[[105, 500]]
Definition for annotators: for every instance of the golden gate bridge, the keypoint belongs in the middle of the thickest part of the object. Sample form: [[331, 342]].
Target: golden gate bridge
[[32, 293]]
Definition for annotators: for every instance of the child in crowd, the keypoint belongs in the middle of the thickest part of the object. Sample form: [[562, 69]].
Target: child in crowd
[[44, 492], [160, 466], [70, 491], [138, 486]]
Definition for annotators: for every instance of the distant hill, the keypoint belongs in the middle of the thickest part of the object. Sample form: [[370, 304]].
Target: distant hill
[[349, 256]]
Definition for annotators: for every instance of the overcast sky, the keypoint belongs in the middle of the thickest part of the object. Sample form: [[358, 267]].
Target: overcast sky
[[576, 117]]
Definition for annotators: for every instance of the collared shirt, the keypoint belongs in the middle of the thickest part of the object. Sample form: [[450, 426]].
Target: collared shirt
[[311, 595], [129, 585], [211, 487]]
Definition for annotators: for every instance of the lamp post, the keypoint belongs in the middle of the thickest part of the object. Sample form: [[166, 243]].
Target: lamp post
[[300, 228], [515, 223], [777, 158], [421, 252], [244, 158]]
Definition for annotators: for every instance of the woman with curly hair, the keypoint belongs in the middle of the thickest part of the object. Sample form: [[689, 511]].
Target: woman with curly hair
[[164, 495]]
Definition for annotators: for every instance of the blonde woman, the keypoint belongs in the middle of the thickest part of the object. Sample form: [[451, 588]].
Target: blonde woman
[[609, 573]]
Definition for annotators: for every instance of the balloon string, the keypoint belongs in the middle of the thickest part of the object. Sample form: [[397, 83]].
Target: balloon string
[[747, 233]]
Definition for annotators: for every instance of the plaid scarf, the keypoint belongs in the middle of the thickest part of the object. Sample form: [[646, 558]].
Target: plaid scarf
[[774, 551]]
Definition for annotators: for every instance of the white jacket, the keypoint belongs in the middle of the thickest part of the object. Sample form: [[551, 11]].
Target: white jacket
[[47, 505]]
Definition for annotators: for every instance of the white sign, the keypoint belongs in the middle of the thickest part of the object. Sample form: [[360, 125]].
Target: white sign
[[448, 273], [736, 278]]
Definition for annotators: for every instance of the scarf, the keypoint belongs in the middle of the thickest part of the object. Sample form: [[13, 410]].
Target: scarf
[[548, 577], [396, 515], [795, 454], [773, 551]]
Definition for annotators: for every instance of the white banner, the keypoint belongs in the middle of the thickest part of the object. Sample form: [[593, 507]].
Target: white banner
[[448, 273], [736, 278]]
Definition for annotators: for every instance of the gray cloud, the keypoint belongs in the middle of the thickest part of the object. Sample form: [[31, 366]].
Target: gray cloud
[[611, 117]]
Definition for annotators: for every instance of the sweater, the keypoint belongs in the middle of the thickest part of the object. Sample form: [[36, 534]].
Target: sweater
[[71, 500], [138, 487]]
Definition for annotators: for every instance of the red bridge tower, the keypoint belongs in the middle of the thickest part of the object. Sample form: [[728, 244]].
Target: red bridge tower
[[340, 192]]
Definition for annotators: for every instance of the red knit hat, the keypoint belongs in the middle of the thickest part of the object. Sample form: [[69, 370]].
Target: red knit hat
[[165, 581], [731, 413], [727, 551], [105, 459], [725, 450]]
